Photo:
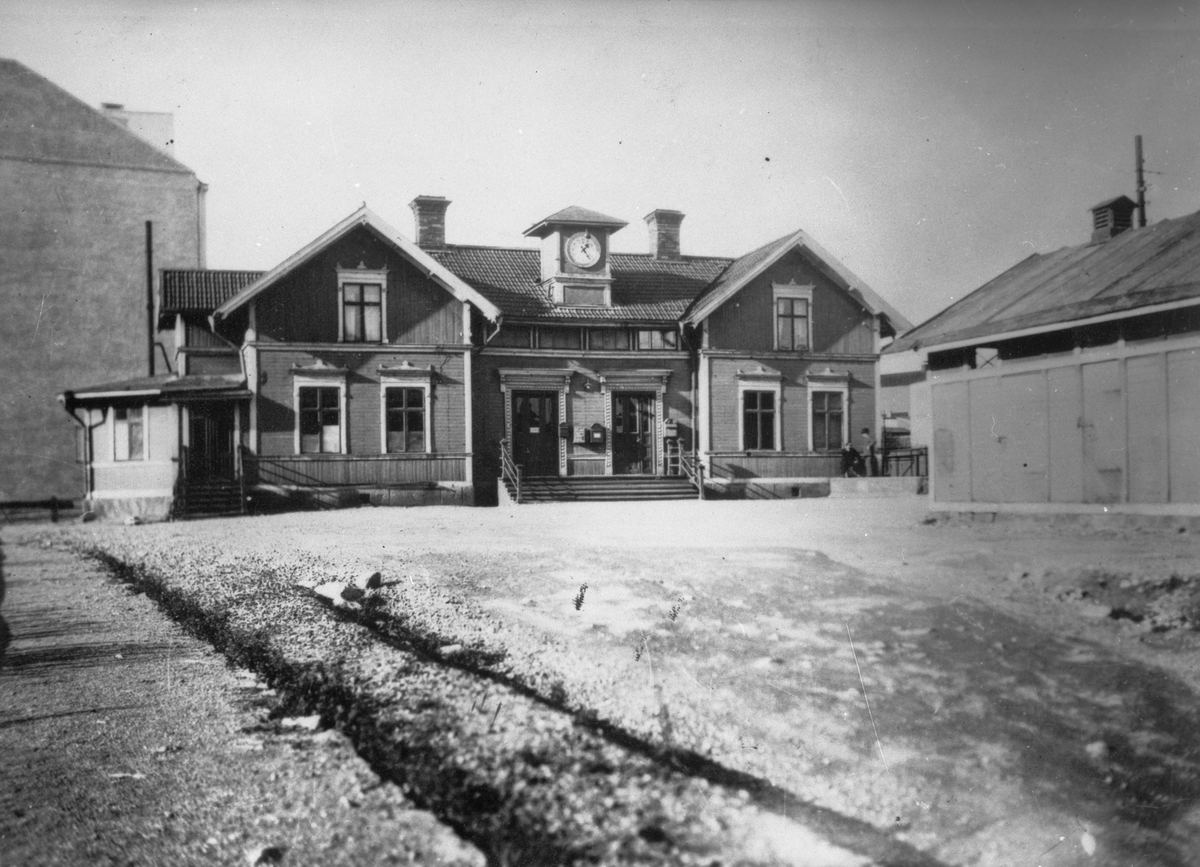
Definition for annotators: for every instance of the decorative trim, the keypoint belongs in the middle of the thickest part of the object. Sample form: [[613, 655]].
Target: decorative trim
[[828, 381], [320, 376], [534, 379], [388, 380], [792, 290], [761, 380], [368, 276]]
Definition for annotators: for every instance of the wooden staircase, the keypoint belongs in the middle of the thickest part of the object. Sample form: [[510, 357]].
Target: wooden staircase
[[596, 489], [209, 498]]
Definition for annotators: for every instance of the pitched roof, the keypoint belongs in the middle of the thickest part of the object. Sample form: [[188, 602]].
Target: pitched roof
[[199, 290], [42, 122], [578, 216], [1133, 272], [643, 289], [746, 268], [364, 216]]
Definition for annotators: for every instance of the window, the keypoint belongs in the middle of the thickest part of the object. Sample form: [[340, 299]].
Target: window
[[128, 433], [758, 420], [559, 338], [608, 338], [362, 305], [513, 335], [828, 417], [652, 340], [793, 322], [362, 312], [404, 420], [320, 419]]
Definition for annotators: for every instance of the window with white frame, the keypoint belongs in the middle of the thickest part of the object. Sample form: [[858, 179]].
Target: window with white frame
[[827, 416], [758, 420], [362, 305], [405, 419], [319, 418], [793, 317], [129, 433]]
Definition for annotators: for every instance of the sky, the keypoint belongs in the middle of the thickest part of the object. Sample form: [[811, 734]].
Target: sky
[[928, 145]]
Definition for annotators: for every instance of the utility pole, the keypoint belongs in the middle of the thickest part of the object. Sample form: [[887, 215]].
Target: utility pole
[[1141, 182]]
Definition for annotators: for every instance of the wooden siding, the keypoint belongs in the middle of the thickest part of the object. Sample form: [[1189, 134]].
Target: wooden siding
[[778, 466], [725, 407], [303, 307], [354, 470], [1117, 425], [277, 419], [840, 325]]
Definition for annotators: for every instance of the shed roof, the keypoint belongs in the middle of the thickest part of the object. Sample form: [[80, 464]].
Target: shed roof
[[42, 122], [162, 385], [1129, 274]]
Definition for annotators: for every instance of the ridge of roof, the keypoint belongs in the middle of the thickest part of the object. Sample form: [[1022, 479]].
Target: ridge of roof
[[1139, 268], [43, 122], [364, 216]]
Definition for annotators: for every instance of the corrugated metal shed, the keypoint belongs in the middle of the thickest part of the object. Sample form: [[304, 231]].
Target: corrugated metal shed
[[1139, 268]]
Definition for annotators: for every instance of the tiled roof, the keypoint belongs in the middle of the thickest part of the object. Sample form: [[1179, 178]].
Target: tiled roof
[[1137, 268], [41, 121], [644, 288], [202, 291], [742, 266]]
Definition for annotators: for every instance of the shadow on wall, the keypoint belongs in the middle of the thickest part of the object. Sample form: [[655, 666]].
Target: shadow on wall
[[5, 635]]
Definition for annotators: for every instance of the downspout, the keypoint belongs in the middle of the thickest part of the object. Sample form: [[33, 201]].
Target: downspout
[[488, 338], [67, 399], [150, 324]]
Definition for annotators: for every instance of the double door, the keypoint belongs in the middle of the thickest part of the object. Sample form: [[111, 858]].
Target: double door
[[633, 433], [535, 432]]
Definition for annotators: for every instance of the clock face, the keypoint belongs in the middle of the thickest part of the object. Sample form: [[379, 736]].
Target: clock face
[[583, 249]]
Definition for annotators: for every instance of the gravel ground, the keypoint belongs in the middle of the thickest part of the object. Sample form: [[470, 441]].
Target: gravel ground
[[126, 741], [722, 648]]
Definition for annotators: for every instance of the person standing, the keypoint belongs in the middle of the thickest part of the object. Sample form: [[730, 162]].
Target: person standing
[[870, 458]]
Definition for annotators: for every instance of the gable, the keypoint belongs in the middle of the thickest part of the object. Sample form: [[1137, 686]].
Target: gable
[[302, 306], [746, 320]]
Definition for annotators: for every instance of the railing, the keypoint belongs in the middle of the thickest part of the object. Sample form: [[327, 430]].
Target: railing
[[509, 471], [694, 470], [906, 462], [317, 471]]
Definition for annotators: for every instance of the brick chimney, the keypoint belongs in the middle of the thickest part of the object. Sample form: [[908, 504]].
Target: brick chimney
[[1112, 217], [429, 218], [664, 233]]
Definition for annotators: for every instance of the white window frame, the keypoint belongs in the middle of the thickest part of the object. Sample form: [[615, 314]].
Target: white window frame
[[773, 385], [366, 275], [794, 291], [844, 390], [337, 381], [112, 415], [425, 383]]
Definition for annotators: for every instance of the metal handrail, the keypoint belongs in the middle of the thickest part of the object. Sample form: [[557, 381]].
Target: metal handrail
[[694, 470], [509, 470]]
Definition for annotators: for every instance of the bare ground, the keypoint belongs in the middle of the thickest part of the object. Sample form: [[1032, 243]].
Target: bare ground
[[1017, 692]]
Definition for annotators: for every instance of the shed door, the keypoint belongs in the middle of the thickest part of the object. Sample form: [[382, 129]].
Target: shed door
[[1103, 424]]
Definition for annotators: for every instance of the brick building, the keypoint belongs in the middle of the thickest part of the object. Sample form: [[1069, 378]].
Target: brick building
[[78, 187]]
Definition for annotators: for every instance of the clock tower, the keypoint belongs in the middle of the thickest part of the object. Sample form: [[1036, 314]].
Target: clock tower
[[575, 256]]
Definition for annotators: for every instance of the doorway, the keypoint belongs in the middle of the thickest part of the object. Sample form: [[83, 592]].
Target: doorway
[[633, 433], [211, 440], [535, 431]]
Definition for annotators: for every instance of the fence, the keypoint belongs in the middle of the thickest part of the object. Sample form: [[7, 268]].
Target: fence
[[30, 510]]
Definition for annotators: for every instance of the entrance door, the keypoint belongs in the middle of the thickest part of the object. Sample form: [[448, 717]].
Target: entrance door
[[535, 432], [633, 433], [210, 441]]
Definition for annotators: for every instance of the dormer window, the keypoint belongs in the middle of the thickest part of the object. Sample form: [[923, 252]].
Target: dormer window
[[362, 309], [793, 317]]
